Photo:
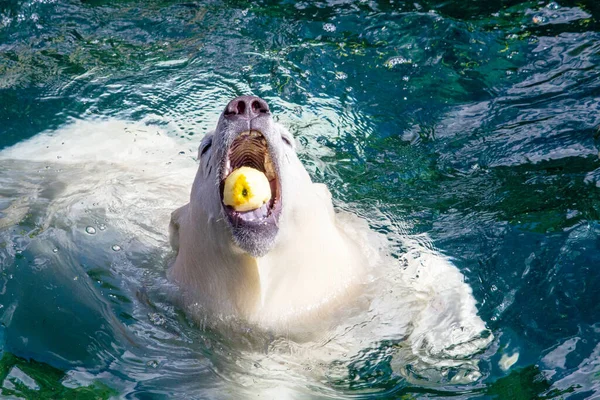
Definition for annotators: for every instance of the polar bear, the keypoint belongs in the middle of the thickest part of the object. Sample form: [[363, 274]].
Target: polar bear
[[295, 265], [300, 268]]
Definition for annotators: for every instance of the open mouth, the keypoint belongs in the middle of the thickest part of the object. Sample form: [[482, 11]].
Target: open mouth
[[250, 149]]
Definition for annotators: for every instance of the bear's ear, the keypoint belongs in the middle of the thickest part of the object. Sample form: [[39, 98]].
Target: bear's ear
[[174, 226]]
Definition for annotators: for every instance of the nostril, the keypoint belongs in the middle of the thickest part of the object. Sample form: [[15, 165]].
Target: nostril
[[259, 107], [241, 107]]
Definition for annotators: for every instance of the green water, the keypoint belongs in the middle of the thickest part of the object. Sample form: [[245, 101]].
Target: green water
[[475, 122]]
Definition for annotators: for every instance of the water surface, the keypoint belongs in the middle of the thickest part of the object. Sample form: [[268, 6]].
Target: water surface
[[474, 122]]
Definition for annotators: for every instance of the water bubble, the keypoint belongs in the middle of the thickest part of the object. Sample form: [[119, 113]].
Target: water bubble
[[572, 214], [397, 61], [116, 247], [91, 230], [157, 319], [539, 19], [5, 21], [553, 6], [329, 27], [512, 54], [102, 227], [55, 250]]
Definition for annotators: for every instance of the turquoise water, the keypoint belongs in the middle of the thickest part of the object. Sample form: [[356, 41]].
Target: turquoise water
[[475, 122]]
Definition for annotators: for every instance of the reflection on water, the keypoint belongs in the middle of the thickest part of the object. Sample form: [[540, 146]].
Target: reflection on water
[[474, 122]]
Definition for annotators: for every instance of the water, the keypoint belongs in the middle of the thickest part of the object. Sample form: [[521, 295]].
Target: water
[[473, 122]]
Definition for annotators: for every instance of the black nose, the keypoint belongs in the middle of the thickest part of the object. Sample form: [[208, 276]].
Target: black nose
[[246, 107]]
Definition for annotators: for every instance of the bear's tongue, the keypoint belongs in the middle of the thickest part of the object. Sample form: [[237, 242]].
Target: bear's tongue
[[258, 214]]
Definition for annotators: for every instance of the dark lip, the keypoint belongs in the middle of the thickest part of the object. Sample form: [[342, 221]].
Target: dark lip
[[240, 219]]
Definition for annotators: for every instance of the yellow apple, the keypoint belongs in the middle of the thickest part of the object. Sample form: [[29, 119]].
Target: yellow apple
[[246, 189]]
